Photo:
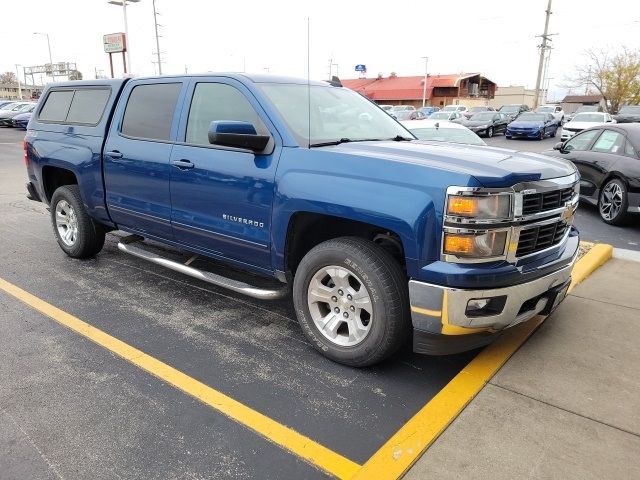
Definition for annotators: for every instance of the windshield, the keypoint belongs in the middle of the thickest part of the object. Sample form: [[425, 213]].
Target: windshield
[[440, 116], [450, 108], [26, 108], [478, 109], [587, 108], [630, 109], [588, 117], [485, 116], [532, 117], [337, 114], [545, 109], [510, 108], [453, 135]]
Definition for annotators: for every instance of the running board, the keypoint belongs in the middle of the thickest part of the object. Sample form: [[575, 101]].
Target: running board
[[126, 245]]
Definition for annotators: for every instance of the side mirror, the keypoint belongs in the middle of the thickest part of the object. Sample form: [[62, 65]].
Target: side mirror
[[558, 146], [230, 133]]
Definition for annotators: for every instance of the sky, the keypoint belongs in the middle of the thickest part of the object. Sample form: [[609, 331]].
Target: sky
[[494, 37]]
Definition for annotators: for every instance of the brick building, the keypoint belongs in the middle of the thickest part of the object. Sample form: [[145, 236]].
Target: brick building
[[471, 89]]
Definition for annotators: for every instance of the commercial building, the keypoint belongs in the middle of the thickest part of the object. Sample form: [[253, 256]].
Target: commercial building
[[9, 91], [570, 103], [514, 94], [471, 89]]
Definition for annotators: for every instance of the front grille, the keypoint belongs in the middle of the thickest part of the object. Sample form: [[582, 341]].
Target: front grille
[[538, 238], [542, 202]]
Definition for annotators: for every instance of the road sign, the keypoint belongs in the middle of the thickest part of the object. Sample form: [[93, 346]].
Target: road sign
[[115, 42], [361, 68]]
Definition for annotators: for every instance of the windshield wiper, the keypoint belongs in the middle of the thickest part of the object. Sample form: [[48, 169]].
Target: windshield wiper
[[400, 138], [344, 140]]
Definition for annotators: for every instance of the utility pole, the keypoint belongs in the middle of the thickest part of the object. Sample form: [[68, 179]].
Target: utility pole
[[424, 87], [543, 50], [18, 80], [155, 24]]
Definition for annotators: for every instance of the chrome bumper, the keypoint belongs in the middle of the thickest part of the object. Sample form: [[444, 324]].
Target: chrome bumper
[[443, 310]]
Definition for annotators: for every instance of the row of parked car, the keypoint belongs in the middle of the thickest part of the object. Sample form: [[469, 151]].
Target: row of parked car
[[606, 153], [15, 114]]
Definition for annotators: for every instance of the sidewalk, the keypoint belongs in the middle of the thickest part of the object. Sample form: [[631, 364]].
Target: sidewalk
[[566, 405]]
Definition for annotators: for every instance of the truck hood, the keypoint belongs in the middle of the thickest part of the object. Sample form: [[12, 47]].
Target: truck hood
[[491, 166]]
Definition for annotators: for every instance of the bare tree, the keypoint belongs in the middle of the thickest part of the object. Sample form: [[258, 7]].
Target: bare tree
[[8, 77], [75, 75], [615, 76]]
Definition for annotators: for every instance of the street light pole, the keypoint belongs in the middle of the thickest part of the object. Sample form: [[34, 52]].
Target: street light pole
[[543, 51], [424, 87], [123, 4], [53, 77]]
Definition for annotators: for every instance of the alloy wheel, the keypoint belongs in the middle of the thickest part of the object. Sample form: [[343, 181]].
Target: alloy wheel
[[66, 223], [611, 200], [340, 305]]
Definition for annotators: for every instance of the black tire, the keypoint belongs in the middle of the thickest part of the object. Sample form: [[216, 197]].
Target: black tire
[[507, 136], [555, 132], [386, 285], [621, 216], [490, 132], [89, 239]]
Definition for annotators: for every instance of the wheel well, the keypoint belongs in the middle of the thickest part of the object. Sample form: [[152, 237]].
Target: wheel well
[[306, 230], [55, 177]]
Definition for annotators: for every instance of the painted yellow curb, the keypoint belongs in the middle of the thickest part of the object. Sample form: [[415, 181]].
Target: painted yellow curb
[[404, 448]]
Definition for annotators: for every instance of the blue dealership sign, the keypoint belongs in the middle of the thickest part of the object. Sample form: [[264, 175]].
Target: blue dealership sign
[[361, 68]]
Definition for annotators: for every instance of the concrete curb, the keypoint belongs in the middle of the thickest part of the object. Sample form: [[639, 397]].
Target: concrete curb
[[589, 263], [408, 444], [624, 254]]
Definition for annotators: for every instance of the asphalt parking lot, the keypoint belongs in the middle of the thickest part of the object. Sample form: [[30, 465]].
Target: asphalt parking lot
[[70, 408]]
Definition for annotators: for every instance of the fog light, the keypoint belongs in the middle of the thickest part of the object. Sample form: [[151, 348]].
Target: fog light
[[485, 307], [477, 304]]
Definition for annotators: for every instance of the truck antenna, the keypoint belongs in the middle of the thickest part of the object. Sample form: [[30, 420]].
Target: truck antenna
[[308, 84]]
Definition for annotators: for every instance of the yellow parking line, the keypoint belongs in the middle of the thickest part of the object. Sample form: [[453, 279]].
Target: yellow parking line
[[283, 436], [402, 450]]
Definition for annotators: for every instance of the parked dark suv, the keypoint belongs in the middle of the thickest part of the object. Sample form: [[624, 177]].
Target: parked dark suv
[[513, 111]]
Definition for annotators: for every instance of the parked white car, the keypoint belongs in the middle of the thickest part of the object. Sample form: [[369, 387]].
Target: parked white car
[[455, 108], [555, 110], [447, 116], [582, 121], [442, 131]]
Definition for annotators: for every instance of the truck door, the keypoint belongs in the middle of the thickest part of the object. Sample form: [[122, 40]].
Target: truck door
[[221, 197], [136, 157]]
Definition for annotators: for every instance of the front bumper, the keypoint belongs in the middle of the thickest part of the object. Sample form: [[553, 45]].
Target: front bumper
[[523, 133], [567, 134], [443, 325]]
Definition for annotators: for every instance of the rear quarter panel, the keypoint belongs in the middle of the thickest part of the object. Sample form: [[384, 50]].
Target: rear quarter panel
[[74, 147]]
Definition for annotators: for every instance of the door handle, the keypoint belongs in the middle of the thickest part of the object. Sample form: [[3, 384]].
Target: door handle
[[183, 164], [114, 154]]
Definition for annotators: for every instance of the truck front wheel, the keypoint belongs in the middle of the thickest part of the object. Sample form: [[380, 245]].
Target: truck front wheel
[[351, 300], [77, 234]]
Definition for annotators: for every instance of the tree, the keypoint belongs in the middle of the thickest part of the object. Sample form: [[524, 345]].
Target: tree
[[615, 76], [75, 75], [8, 77]]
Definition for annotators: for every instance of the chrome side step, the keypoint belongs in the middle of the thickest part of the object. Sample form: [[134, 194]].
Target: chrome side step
[[127, 245]]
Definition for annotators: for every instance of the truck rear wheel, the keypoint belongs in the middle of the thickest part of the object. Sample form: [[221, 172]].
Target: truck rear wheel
[[352, 301], [77, 234]]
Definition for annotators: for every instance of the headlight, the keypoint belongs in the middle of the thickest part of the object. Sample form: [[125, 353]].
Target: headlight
[[479, 207], [475, 245]]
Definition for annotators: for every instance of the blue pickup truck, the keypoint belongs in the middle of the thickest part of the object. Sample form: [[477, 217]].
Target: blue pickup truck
[[378, 237]]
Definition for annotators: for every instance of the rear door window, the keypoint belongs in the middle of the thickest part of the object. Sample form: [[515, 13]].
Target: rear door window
[[56, 107], [609, 142], [88, 105], [149, 111]]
